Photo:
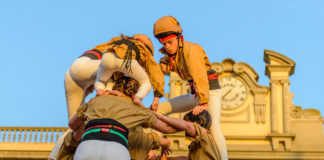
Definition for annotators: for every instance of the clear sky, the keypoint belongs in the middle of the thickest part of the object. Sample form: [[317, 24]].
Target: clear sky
[[39, 40]]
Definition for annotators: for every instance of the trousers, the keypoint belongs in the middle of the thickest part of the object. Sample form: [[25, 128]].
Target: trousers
[[101, 150], [110, 63], [78, 78]]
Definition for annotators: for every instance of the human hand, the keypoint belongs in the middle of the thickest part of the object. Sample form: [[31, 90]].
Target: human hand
[[100, 92], [116, 93], [152, 155], [164, 158], [138, 101], [165, 151], [158, 116], [198, 109], [155, 104]]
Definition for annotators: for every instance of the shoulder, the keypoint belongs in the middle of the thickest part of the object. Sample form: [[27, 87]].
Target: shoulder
[[202, 133], [191, 45], [191, 48], [108, 99]]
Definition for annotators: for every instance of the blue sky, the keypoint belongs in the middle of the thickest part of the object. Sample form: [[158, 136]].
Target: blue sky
[[41, 39]]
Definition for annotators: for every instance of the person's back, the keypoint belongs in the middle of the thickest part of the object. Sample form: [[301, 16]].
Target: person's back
[[196, 127], [203, 145], [108, 118], [120, 109]]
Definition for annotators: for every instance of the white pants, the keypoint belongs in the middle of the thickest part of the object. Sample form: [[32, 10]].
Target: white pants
[[110, 63], [101, 150], [78, 78], [187, 102]]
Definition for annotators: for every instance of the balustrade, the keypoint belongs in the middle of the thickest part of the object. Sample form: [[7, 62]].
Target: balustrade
[[30, 134]]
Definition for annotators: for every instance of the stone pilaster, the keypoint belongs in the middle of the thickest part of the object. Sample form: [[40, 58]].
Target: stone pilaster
[[286, 106], [274, 107], [184, 86], [172, 93]]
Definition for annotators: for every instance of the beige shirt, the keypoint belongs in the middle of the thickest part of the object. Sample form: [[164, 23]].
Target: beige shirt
[[121, 109], [203, 145], [146, 60], [125, 112], [68, 147], [140, 143], [192, 64]]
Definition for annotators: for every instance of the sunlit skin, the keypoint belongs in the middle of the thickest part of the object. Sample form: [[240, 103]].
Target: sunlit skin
[[171, 45]]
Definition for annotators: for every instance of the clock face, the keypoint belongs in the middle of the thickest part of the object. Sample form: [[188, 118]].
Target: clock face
[[234, 92]]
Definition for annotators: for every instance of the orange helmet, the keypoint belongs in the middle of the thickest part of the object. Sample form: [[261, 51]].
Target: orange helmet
[[165, 26], [146, 40]]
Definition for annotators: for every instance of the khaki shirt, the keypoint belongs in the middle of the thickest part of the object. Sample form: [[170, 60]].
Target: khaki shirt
[[140, 143], [68, 147], [146, 60], [203, 145], [125, 112], [191, 64], [121, 109]]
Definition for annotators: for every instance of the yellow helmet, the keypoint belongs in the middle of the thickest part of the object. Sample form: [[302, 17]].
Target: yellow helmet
[[146, 40], [165, 26]]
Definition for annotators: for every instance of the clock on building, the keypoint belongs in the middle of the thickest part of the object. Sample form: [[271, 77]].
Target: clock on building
[[234, 92]]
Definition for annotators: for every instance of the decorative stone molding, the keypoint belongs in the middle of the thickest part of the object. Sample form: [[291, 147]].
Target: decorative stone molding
[[285, 139], [278, 62], [259, 112], [311, 113], [260, 103], [296, 112], [275, 81], [240, 67], [244, 118]]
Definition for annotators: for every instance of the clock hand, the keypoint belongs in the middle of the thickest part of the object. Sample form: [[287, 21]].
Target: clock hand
[[226, 93]]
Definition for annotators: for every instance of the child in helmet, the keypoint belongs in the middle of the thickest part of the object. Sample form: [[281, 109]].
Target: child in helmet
[[191, 63]]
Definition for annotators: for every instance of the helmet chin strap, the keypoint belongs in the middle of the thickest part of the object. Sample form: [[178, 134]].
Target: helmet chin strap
[[180, 43], [179, 49]]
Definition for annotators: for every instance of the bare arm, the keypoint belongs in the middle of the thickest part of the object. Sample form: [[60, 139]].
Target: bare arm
[[165, 143], [164, 128], [77, 125], [165, 146], [178, 158], [179, 124], [75, 122]]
